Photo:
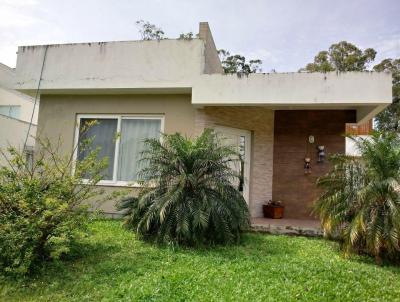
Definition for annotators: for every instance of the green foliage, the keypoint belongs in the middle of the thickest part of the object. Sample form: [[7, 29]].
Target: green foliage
[[118, 267], [40, 206], [389, 119], [186, 36], [361, 201], [188, 196], [149, 31], [342, 56], [238, 64], [321, 63]]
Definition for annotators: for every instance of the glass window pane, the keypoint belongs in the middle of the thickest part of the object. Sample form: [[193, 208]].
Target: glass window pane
[[133, 134], [103, 135], [11, 111], [15, 111]]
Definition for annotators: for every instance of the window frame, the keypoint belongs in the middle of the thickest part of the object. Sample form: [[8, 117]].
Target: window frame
[[119, 117]]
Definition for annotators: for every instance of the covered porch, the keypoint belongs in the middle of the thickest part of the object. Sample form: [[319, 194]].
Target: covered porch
[[284, 120], [274, 145]]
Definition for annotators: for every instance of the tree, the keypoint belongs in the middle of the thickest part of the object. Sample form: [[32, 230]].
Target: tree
[[237, 63], [389, 119], [186, 36], [342, 56], [188, 195], [360, 203], [321, 63], [149, 31]]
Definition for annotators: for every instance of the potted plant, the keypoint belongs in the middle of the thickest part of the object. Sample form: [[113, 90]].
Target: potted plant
[[273, 209]]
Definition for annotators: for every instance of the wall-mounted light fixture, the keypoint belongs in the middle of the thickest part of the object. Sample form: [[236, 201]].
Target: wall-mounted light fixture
[[307, 165]]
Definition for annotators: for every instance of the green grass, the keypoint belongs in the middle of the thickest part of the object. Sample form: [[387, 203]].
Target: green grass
[[114, 266]]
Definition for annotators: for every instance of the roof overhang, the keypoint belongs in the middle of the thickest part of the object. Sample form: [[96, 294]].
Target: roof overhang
[[366, 92]]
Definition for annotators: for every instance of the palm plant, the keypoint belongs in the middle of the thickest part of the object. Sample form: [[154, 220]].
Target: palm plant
[[188, 196], [360, 203]]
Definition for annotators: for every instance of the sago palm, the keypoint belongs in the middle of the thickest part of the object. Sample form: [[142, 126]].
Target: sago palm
[[360, 202], [189, 196]]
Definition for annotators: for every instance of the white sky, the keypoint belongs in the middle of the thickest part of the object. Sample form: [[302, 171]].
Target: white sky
[[285, 34]]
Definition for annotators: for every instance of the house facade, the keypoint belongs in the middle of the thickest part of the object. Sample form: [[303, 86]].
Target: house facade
[[141, 88], [15, 115]]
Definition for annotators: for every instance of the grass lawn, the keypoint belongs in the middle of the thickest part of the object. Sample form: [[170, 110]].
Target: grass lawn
[[116, 267]]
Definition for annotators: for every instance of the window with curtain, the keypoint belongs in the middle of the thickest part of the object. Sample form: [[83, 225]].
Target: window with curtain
[[133, 134], [124, 150], [101, 135]]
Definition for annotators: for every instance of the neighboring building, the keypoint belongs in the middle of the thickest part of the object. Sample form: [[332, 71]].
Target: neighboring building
[[357, 132], [139, 88], [15, 114]]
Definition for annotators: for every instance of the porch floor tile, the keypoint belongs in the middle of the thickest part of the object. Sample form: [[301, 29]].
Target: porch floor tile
[[287, 226]]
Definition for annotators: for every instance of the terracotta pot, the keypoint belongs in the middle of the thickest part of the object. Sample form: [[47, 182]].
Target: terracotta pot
[[274, 212]]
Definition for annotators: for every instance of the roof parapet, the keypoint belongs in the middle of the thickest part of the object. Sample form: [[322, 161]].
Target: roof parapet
[[212, 63]]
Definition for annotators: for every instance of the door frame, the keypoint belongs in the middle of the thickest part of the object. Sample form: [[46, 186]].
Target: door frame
[[247, 159]]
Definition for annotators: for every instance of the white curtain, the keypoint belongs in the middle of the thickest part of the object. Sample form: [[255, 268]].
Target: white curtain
[[103, 134], [133, 134]]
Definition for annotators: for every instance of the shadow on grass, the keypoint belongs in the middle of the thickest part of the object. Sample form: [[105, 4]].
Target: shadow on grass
[[250, 243], [335, 246], [86, 250], [82, 252], [250, 246], [386, 265]]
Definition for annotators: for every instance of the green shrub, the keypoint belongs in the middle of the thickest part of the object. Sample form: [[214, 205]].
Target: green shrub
[[40, 206], [360, 203], [188, 196]]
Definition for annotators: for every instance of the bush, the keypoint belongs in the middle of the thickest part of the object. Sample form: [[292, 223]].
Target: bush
[[361, 202], [188, 195], [40, 206]]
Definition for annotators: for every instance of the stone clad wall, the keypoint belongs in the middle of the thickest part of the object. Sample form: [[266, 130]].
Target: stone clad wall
[[260, 121]]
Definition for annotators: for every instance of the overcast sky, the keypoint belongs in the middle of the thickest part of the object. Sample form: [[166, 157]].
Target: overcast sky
[[285, 34]]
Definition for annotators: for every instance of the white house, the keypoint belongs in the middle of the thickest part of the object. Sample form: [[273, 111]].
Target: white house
[[16, 111], [141, 88]]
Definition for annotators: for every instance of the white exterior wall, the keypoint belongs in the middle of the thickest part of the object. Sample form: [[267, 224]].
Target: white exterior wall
[[351, 148], [19, 130], [11, 97], [13, 131], [294, 88], [123, 65], [8, 96], [179, 66], [366, 92], [182, 66], [7, 76]]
